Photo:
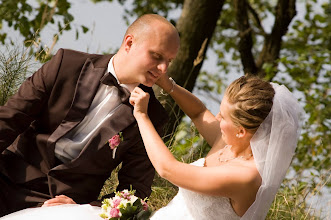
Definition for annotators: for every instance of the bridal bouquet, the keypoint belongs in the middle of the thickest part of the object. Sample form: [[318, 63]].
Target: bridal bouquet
[[125, 206]]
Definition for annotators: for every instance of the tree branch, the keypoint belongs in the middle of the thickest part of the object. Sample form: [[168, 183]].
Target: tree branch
[[196, 26], [245, 35], [257, 19], [284, 13]]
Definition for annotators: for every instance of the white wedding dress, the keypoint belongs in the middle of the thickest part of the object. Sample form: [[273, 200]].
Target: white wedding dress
[[186, 205], [189, 205]]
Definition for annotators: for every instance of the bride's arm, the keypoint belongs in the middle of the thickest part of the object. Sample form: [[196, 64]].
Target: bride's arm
[[204, 120], [228, 181]]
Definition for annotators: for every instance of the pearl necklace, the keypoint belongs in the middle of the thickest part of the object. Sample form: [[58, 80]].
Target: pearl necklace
[[231, 158]]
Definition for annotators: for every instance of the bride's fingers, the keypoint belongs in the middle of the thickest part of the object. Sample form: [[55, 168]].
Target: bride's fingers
[[137, 90], [136, 95], [132, 100]]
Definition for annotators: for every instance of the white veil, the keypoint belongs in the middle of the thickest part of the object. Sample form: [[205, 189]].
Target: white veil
[[273, 147]]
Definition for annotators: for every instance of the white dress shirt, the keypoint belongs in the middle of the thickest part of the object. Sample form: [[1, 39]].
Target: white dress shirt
[[105, 103]]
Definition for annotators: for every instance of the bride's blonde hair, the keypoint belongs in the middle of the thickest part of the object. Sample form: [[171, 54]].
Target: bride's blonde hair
[[251, 98]]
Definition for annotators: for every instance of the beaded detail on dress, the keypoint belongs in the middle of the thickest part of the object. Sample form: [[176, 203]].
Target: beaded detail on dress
[[190, 205]]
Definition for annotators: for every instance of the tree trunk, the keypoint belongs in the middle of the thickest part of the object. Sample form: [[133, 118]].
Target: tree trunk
[[284, 13], [245, 34], [195, 26]]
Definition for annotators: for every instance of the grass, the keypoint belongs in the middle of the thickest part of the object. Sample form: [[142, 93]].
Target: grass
[[162, 190]]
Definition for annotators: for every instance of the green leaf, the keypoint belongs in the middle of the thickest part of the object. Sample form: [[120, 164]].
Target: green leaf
[[85, 29]]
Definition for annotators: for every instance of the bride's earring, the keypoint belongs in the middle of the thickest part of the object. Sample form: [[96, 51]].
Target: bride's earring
[[237, 135]]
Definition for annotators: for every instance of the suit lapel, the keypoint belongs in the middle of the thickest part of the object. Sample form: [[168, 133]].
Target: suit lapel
[[86, 88], [121, 119]]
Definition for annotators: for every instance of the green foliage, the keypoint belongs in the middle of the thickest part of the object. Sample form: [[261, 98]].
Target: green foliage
[[305, 66], [188, 144], [162, 193], [290, 203], [211, 83], [140, 7], [111, 183], [29, 18], [15, 65], [298, 199], [226, 37]]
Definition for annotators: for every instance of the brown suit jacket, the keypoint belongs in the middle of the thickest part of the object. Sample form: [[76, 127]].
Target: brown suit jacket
[[47, 106]]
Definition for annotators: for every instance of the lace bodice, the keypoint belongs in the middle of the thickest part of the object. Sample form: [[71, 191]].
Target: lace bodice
[[190, 205]]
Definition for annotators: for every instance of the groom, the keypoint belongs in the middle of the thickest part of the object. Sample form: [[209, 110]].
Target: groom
[[54, 131]]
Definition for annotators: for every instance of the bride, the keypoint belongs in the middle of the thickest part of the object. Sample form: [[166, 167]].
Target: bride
[[253, 140]]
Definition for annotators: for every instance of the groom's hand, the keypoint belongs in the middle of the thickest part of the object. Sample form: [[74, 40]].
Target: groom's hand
[[58, 200]]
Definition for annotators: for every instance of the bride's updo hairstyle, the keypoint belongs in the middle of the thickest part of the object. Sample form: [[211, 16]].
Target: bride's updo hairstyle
[[251, 98]]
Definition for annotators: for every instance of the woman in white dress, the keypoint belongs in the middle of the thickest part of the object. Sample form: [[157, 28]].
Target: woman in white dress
[[253, 140]]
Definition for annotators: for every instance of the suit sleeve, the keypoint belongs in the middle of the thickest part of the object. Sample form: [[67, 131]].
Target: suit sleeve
[[26, 105], [137, 172]]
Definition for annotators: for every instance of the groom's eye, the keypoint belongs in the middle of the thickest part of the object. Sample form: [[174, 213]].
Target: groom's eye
[[157, 56]]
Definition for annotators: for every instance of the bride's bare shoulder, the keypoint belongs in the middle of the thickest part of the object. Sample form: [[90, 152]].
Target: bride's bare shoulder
[[246, 174]]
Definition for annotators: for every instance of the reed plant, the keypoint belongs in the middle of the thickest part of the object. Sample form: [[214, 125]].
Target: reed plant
[[15, 65]]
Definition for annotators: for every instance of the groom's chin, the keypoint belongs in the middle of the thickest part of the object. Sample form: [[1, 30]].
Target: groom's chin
[[148, 83]]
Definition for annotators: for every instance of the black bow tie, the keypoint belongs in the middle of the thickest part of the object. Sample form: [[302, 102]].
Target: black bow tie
[[110, 80]]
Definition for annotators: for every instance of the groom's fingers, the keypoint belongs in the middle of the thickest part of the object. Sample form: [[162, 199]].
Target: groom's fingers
[[59, 200], [52, 204]]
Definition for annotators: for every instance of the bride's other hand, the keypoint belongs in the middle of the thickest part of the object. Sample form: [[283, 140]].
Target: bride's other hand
[[139, 100], [58, 200], [165, 83]]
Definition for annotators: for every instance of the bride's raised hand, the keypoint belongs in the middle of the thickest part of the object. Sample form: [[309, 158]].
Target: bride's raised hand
[[139, 100], [164, 82]]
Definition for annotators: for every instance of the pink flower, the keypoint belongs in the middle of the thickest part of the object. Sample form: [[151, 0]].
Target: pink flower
[[114, 213], [127, 195], [145, 206], [116, 202], [114, 141], [124, 205]]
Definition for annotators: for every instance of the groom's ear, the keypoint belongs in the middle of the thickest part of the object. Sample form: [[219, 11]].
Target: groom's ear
[[128, 41]]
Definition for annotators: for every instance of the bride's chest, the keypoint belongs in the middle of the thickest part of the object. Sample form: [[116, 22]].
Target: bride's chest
[[211, 160]]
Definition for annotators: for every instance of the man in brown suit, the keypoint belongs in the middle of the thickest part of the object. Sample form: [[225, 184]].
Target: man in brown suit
[[54, 131]]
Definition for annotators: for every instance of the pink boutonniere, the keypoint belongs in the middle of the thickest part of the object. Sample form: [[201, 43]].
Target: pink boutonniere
[[115, 141]]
